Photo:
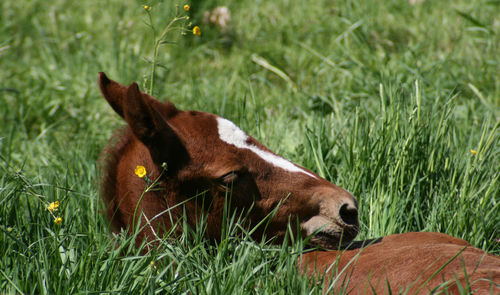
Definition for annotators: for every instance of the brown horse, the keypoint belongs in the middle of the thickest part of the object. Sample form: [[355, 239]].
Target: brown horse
[[408, 263], [210, 160]]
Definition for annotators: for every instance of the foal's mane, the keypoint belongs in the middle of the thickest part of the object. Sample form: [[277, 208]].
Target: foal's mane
[[108, 165], [109, 159]]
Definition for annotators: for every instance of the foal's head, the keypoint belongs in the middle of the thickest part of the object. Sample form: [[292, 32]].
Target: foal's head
[[212, 163]]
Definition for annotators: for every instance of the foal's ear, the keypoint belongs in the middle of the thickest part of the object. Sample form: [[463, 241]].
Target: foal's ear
[[145, 116], [113, 92], [137, 108], [141, 115]]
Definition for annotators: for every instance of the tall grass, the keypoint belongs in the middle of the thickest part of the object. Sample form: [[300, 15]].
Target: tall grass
[[384, 98]]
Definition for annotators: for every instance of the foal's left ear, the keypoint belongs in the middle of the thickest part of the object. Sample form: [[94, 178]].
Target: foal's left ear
[[141, 115], [147, 118], [140, 110]]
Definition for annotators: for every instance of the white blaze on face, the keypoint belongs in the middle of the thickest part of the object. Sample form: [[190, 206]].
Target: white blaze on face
[[232, 134]]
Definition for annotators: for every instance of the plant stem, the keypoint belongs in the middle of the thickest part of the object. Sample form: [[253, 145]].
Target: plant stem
[[158, 42]]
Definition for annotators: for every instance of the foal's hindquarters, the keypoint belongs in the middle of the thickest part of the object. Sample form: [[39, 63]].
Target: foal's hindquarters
[[409, 263]]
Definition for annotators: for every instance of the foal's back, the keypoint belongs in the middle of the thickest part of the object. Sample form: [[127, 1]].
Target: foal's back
[[412, 262]]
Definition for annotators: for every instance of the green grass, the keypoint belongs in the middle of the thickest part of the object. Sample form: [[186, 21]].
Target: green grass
[[384, 98]]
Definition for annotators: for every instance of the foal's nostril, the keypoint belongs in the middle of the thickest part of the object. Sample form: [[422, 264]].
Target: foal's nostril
[[349, 215]]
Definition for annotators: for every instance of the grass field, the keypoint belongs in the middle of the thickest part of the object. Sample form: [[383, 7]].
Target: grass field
[[398, 103]]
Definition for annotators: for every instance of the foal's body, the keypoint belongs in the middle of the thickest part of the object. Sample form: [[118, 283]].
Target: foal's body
[[208, 158], [409, 263]]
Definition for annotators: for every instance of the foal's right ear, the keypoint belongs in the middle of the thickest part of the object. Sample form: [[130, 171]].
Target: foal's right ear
[[146, 117], [113, 92], [137, 108]]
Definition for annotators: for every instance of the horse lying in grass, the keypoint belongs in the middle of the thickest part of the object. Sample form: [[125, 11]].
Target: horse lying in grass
[[208, 158], [408, 263]]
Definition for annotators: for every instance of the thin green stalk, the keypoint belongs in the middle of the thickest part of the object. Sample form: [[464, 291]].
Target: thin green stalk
[[158, 43], [146, 190]]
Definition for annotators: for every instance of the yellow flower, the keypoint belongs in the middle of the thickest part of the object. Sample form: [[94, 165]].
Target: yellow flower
[[186, 7], [140, 171], [54, 206], [58, 220], [197, 31], [146, 7], [474, 152]]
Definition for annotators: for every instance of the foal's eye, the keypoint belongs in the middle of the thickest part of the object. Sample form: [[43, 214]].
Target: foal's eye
[[229, 178]]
